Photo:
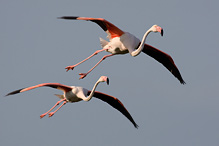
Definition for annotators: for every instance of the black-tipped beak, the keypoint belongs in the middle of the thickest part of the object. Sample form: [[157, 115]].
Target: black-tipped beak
[[161, 32], [107, 81]]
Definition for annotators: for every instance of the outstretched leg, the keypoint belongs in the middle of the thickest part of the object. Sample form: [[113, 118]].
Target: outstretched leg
[[85, 74], [41, 116], [95, 53], [52, 113]]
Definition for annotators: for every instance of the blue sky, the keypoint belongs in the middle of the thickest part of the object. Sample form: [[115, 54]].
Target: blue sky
[[35, 47]]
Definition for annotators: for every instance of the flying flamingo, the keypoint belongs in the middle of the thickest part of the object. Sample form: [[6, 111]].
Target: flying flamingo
[[123, 42], [75, 94]]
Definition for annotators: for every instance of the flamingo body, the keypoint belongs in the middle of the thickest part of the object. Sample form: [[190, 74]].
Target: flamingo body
[[123, 42], [76, 94]]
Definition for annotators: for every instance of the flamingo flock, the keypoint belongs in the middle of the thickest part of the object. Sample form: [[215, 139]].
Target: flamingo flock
[[120, 42]]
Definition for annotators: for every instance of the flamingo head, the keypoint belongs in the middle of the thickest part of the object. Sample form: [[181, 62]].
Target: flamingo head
[[156, 28], [104, 79]]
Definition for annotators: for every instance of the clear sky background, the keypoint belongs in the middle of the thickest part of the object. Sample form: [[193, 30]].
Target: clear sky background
[[35, 47]]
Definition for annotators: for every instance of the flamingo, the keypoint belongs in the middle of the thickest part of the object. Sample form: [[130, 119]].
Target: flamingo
[[123, 42], [76, 94]]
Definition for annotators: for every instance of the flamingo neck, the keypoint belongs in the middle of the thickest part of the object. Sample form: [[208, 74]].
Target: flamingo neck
[[92, 91], [141, 46]]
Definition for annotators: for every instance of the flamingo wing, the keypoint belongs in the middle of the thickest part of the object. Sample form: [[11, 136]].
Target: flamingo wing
[[59, 86], [116, 103], [108, 27], [164, 59]]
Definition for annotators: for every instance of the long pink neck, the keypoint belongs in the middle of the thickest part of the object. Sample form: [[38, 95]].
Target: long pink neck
[[141, 46]]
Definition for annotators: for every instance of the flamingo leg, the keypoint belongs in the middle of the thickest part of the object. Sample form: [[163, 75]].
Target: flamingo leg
[[41, 116], [95, 53], [52, 113], [85, 74]]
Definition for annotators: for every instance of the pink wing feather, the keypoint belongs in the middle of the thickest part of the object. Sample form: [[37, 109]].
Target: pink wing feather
[[104, 24], [59, 86]]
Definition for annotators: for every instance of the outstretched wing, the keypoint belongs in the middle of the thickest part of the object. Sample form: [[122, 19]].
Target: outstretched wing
[[108, 27], [116, 103], [62, 87], [164, 59]]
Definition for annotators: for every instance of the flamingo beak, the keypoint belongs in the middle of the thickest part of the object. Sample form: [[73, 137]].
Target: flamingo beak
[[107, 81], [160, 30]]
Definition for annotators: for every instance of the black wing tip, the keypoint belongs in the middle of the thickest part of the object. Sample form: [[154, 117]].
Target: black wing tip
[[136, 126], [14, 92], [68, 17], [181, 79], [177, 74], [182, 82]]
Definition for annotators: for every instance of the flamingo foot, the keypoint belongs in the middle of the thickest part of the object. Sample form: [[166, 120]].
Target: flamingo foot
[[83, 75], [43, 115], [69, 67], [51, 114]]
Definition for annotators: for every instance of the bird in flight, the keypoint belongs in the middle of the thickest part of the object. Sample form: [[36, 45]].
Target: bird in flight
[[76, 94], [121, 42]]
